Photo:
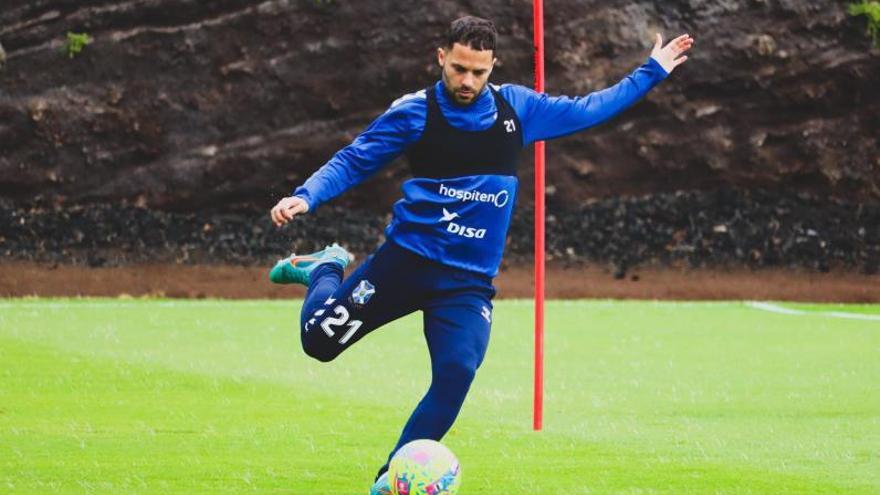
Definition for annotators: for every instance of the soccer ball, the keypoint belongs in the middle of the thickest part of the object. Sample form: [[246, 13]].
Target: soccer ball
[[424, 467]]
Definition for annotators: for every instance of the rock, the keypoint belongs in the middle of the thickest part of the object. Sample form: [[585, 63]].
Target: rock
[[765, 45]]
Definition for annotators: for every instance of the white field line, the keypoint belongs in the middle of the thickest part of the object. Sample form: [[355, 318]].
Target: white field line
[[853, 316], [775, 308]]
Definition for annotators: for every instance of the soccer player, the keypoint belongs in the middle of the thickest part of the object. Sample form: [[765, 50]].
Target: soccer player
[[443, 246]]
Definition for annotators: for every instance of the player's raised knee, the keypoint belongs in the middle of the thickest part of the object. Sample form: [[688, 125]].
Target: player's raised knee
[[320, 351]]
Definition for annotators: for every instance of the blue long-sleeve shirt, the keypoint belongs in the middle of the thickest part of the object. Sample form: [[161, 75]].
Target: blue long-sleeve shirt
[[542, 117]]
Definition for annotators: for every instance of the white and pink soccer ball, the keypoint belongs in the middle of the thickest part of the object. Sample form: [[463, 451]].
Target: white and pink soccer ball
[[424, 467]]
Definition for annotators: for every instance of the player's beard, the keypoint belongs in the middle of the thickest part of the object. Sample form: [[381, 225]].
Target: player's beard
[[461, 95], [464, 96]]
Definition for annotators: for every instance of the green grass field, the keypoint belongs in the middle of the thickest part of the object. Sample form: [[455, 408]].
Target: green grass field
[[147, 396]]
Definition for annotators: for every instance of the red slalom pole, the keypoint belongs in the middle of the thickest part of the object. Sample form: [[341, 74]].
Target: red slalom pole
[[538, 413]]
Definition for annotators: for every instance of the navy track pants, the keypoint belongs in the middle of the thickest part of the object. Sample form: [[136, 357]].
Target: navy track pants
[[390, 284]]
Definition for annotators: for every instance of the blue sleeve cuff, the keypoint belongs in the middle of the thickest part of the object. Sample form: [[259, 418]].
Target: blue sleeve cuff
[[655, 67], [303, 194]]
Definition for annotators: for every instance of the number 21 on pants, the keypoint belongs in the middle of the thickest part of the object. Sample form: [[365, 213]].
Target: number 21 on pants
[[338, 321]]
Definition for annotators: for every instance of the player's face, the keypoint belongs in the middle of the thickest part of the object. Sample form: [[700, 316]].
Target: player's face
[[465, 71]]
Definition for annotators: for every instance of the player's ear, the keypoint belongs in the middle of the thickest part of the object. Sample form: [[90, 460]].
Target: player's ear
[[441, 56]]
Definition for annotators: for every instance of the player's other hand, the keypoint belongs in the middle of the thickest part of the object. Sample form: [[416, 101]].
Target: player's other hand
[[288, 208], [669, 56]]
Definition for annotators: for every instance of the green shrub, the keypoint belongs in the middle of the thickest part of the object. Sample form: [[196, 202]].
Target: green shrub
[[76, 42], [871, 10]]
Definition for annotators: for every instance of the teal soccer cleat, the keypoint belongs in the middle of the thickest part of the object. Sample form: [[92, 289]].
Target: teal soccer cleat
[[381, 486], [298, 269]]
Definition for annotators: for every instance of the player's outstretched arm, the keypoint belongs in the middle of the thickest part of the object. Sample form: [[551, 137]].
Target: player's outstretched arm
[[549, 117], [287, 209], [384, 139]]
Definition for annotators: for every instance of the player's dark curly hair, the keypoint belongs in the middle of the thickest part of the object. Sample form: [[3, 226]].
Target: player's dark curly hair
[[477, 33]]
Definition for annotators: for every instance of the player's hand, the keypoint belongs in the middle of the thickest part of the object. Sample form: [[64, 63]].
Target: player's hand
[[288, 208], [669, 56]]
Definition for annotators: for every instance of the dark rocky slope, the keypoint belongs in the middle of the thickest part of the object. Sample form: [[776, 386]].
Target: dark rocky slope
[[189, 105]]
